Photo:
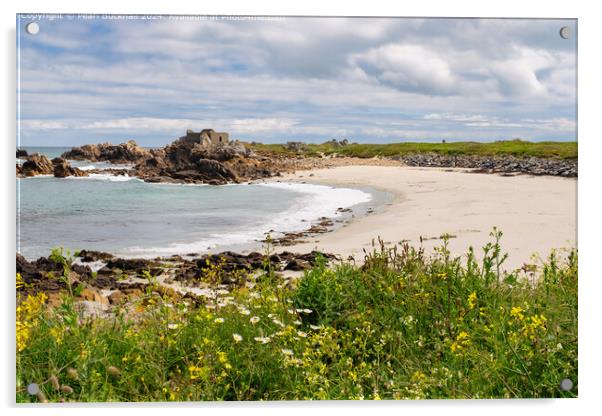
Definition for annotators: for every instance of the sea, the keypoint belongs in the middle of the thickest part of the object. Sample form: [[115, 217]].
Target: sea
[[127, 217]]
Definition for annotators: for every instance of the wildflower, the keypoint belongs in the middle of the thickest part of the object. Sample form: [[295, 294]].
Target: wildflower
[[517, 312], [219, 320], [533, 325], [56, 333], [442, 276], [302, 334], [237, 337], [254, 319], [172, 326], [316, 327], [27, 311], [196, 372], [278, 322], [472, 300], [462, 341], [263, 340], [20, 283], [244, 311], [297, 322], [287, 351]]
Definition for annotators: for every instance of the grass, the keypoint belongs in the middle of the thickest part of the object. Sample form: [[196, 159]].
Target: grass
[[518, 148], [401, 326]]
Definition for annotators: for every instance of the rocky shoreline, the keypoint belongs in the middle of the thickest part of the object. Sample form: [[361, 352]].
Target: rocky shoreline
[[495, 164], [37, 164], [191, 159], [100, 280]]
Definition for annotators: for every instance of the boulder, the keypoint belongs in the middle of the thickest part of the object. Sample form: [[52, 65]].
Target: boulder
[[21, 153], [122, 153], [93, 295], [297, 265], [62, 169], [37, 164], [117, 297], [215, 170]]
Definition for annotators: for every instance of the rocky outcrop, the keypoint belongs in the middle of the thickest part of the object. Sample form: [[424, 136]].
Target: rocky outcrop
[[495, 164], [62, 169], [122, 153], [21, 153], [37, 164], [189, 161], [45, 275]]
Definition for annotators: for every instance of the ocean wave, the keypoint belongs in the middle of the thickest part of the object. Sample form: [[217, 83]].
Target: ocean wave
[[87, 165], [105, 177]]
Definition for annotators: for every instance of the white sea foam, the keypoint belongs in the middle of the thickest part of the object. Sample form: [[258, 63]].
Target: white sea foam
[[36, 177], [317, 201], [87, 167], [106, 177]]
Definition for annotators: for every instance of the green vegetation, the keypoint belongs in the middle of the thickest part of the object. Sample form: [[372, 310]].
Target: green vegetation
[[519, 148], [402, 326]]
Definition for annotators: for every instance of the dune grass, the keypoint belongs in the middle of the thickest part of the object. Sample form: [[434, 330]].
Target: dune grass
[[402, 326], [518, 148]]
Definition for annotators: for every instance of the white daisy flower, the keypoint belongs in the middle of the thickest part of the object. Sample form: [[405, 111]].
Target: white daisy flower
[[263, 340]]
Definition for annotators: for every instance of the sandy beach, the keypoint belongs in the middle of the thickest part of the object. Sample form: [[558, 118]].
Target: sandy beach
[[535, 213]]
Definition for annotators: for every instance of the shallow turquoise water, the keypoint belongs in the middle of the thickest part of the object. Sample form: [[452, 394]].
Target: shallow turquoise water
[[129, 217]]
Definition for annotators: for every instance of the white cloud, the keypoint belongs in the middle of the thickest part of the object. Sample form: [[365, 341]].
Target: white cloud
[[408, 68], [303, 78]]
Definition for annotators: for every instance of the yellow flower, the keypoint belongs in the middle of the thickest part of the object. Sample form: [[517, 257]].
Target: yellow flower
[[517, 312], [197, 372], [418, 376], [57, 334], [534, 324], [461, 343], [27, 312], [19, 283], [472, 300]]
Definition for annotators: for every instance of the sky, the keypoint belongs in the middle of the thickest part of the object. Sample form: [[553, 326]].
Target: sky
[[92, 79]]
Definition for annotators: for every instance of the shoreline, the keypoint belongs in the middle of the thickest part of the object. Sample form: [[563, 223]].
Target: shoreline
[[491, 199], [535, 213]]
